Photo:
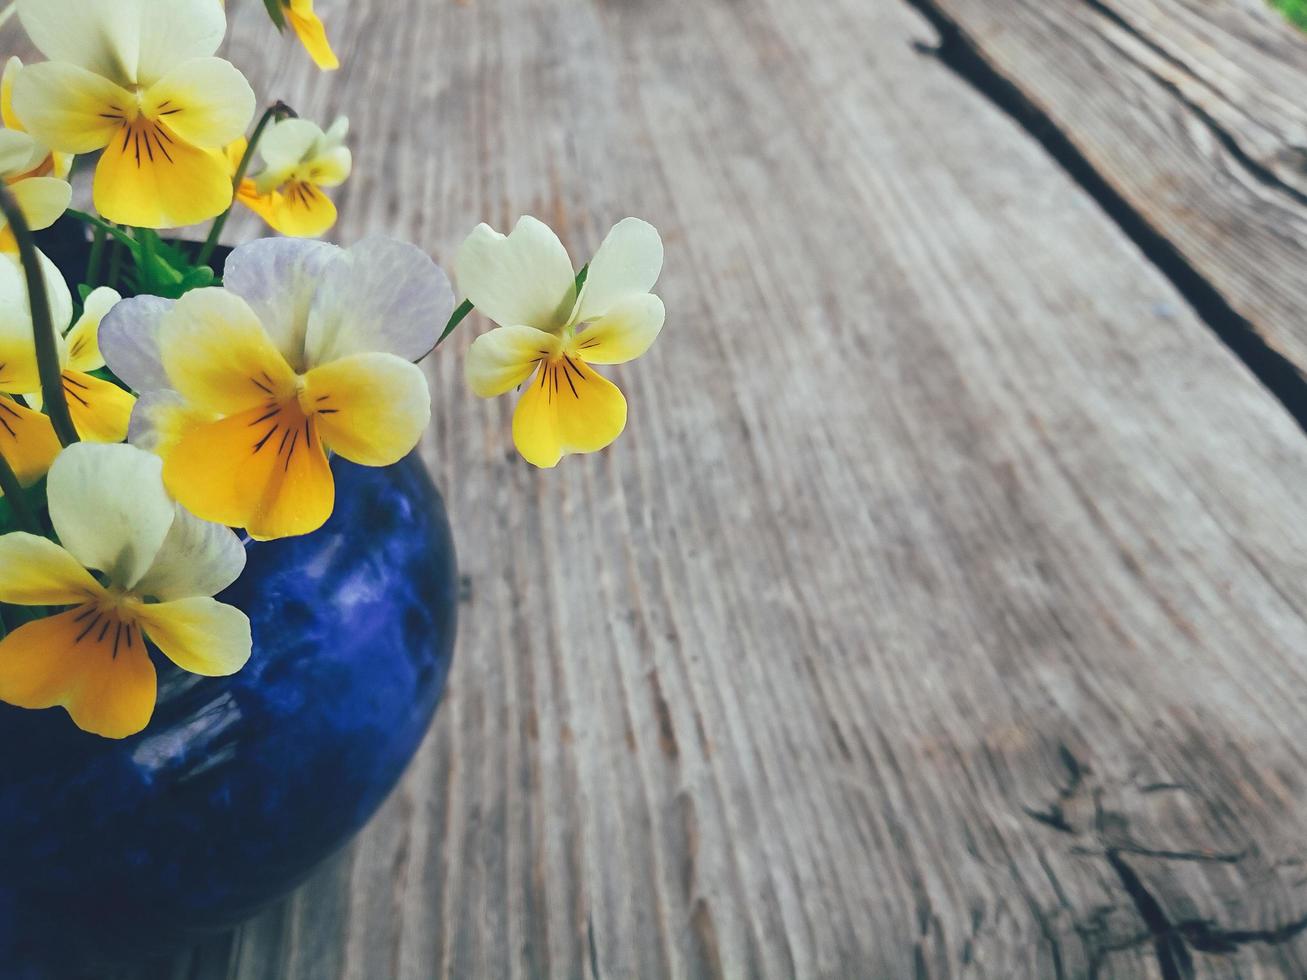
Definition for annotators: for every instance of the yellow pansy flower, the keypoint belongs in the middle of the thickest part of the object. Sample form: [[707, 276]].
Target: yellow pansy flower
[[299, 160], [156, 569], [137, 79], [525, 283], [27, 439], [307, 349], [51, 164], [41, 198], [100, 410]]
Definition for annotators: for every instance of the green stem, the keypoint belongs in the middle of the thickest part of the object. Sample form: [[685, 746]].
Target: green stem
[[13, 492], [43, 327], [278, 111], [97, 258], [115, 262]]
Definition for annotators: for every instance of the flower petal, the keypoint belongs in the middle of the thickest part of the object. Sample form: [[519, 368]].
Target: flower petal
[[205, 101], [101, 411], [37, 572], [101, 36], [27, 441], [173, 32], [10, 118], [42, 200], [94, 665], [19, 152], [287, 144], [18, 368], [278, 279], [299, 211], [372, 408], [383, 295], [308, 27], [84, 339], [150, 177], [69, 108], [501, 359], [627, 264], [218, 355], [161, 418], [625, 332], [198, 558], [264, 474], [200, 635], [129, 341], [567, 408], [109, 508], [523, 278], [332, 167]]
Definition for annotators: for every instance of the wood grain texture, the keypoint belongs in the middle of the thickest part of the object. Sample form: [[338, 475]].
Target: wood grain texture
[[1193, 112], [941, 614]]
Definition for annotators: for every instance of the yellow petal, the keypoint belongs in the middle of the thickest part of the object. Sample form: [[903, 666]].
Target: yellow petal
[[12, 67], [42, 200], [161, 418], [90, 661], [624, 333], [101, 411], [218, 355], [27, 441], [150, 177], [69, 108], [503, 358], [200, 635], [205, 102], [371, 408], [308, 26], [567, 408], [263, 470], [299, 210], [84, 339], [37, 572]]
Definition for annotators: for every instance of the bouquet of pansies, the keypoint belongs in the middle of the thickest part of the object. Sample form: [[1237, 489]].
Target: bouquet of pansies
[[136, 433]]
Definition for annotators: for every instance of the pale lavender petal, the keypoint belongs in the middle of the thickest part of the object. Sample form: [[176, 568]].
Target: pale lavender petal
[[278, 277], [129, 341], [383, 296]]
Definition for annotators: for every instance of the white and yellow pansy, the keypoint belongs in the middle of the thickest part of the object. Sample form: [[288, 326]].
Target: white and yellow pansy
[[27, 439], [308, 349], [549, 334], [40, 197], [101, 411], [131, 566], [51, 164], [137, 78], [299, 159]]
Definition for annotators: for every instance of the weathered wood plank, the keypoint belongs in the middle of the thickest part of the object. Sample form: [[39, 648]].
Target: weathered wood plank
[[941, 614], [1191, 111]]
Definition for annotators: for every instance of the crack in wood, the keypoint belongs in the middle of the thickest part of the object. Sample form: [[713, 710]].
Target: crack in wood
[[1259, 171], [958, 52], [1173, 940]]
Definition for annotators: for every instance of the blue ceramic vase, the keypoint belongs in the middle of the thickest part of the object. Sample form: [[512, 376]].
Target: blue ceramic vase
[[239, 786]]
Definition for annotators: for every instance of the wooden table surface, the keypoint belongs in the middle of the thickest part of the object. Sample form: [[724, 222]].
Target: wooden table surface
[[942, 612]]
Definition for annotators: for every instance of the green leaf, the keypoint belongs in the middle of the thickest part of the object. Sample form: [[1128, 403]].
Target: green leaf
[[276, 13]]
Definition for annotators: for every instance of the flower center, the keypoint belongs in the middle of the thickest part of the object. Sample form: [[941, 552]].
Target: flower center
[[285, 428], [144, 138], [107, 624]]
